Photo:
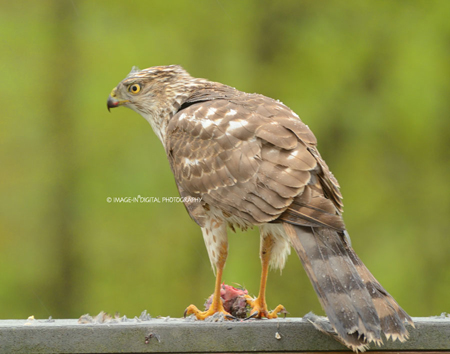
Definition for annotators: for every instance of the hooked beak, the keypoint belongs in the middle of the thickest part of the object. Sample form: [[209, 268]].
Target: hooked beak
[[113, 101]]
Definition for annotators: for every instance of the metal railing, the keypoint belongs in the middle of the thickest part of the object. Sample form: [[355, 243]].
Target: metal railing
[[174, 335]]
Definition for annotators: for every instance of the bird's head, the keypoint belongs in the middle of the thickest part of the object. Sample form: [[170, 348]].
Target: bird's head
[[155, 93]]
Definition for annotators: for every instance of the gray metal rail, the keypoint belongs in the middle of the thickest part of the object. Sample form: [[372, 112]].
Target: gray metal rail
[[171, 335]]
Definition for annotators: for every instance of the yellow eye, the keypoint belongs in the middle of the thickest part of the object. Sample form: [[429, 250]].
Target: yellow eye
[[135, 88]]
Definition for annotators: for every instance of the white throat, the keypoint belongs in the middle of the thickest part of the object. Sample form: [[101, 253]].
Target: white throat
[[159, 127]]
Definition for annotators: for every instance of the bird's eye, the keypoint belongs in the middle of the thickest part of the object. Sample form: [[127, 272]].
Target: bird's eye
[[135, 88]]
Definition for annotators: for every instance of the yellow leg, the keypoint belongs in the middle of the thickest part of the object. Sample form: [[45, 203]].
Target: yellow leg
[[258, 305], [216, 305]]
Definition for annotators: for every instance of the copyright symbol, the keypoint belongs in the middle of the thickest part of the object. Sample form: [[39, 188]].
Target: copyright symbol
[[109, 199]]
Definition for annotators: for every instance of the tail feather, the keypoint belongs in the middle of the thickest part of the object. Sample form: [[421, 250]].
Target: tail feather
[[357, 306], [392, 316], [353, 341]]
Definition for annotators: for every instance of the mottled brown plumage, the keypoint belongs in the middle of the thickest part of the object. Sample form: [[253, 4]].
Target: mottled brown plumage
[[248, 160]]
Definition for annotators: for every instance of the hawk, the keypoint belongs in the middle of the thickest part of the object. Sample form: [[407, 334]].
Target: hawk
[[244, 160]]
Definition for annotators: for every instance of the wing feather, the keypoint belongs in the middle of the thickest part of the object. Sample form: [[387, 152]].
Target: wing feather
[[252, 157]]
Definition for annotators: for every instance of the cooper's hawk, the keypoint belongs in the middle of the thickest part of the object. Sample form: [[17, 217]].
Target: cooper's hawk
[[247, 160]]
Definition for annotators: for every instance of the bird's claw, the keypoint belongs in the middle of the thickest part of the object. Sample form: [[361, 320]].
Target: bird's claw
[[259, 309], [252, 315], [201, 315]]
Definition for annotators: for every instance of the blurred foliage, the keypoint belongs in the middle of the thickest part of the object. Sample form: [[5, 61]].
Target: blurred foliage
[[371, 78]]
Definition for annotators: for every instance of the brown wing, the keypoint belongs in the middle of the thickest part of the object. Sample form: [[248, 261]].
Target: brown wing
[[253, 158]]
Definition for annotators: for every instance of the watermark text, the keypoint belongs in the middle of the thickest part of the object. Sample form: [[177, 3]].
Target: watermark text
[[140, 199]]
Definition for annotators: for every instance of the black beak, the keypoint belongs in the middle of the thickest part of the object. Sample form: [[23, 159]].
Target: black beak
[[112, 103]]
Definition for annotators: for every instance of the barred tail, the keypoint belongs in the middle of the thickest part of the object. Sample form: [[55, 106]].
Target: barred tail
[[357, 306]]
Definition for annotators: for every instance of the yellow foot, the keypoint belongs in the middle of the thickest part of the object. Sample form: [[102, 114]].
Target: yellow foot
[[259, 308], [201, 315]]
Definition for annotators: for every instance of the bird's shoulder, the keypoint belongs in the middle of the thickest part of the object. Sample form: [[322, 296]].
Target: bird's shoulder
[[222, 108]]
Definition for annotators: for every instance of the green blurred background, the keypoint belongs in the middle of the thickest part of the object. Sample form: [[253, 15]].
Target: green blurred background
[[371, 78]]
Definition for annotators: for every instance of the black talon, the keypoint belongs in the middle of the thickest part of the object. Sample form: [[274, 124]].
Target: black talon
[[253, 315]]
